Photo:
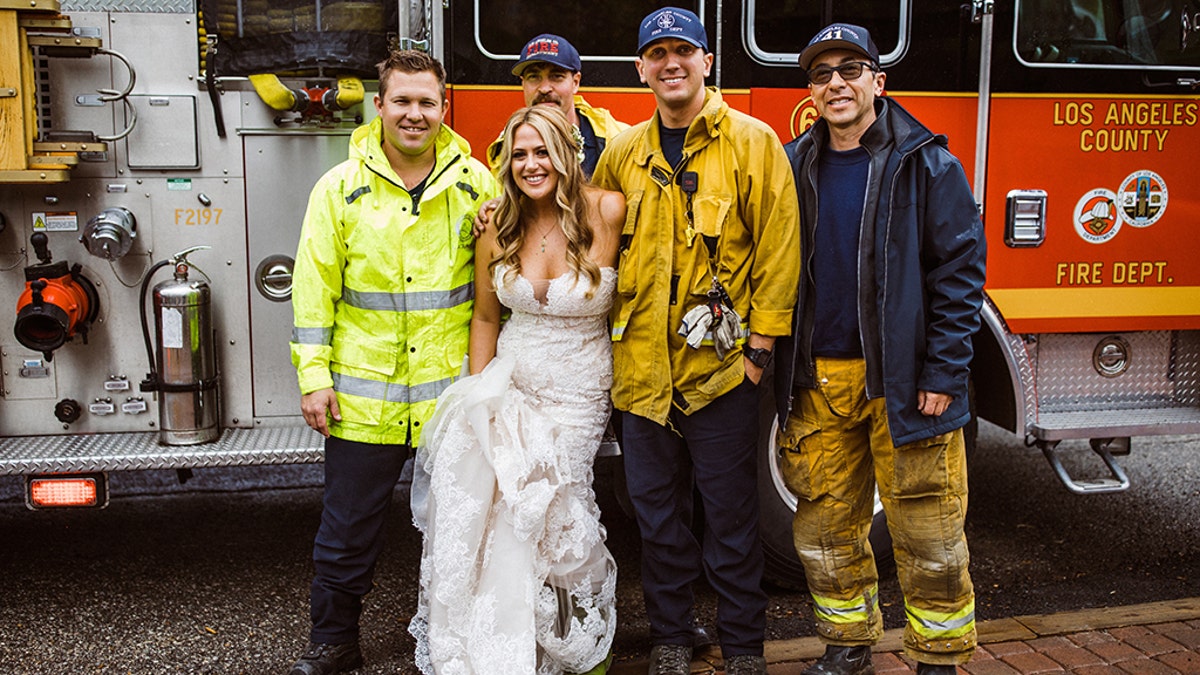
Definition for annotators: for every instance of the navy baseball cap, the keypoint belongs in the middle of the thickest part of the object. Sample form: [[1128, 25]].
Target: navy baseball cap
[[840, 36], [672, 22], [548, 48]]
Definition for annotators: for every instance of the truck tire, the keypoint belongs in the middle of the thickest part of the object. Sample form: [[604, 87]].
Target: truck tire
[[778, 507]]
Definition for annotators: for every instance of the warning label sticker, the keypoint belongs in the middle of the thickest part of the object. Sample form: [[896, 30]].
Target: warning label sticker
[[48, 221]]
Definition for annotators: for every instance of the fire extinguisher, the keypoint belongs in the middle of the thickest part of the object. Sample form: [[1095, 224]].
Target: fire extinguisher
[[183, 368], [57, 304]]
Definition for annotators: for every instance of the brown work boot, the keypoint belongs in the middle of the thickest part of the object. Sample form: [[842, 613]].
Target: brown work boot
[[746, 664], [843, 661], [670, 660]]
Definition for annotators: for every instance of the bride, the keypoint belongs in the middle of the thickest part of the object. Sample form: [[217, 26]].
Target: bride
[[515, 577]]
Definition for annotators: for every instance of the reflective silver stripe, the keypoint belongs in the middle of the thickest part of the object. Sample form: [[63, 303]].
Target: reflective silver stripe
[[392, 392], [846, 612], [941, 627], [857, 611], [409, 302], [312, 336]]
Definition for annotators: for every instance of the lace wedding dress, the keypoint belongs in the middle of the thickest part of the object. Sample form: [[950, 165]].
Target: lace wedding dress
[[515, 577]]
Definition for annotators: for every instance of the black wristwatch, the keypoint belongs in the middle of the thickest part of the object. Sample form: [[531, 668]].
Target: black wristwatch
[[758, 356]]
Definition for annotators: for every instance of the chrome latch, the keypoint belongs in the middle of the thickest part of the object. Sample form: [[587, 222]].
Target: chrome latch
[[981, 8]]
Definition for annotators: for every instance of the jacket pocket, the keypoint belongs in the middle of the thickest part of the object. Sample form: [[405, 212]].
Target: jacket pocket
[[800, 457], [455, 355], [361, 368], [709, 215], [363, 353], [628, 260], [618, 318], [710, 212]]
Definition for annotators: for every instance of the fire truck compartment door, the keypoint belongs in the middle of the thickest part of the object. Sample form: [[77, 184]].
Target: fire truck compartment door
[[164, 136]]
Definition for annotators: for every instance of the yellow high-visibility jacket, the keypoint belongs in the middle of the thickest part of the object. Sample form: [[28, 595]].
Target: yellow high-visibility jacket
[[745, 200], [383, 288]]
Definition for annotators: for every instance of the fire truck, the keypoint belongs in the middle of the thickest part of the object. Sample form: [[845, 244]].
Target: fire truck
[[157, 156]]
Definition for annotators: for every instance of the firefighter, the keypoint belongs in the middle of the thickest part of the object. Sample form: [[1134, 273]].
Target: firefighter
[[382, 300], [549, 68], [711, 233], [872, 387]]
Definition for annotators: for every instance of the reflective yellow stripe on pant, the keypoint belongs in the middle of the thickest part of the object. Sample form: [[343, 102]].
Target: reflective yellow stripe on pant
[[834, 448]]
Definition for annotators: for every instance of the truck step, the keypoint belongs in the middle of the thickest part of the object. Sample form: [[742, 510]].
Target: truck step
[[135, 451], [1116, 481], [1057, 426]]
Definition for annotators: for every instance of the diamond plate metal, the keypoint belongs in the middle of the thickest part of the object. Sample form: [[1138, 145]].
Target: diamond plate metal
[[135, 451], [1162, 372], [1017, 353], [1158, 393], [148, 6]]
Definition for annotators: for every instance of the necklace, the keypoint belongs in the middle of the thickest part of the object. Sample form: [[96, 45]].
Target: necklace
[[546, 233]]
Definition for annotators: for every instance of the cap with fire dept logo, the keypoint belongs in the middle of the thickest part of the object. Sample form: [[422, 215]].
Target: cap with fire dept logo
[[840, 36], [548, 48], [672, 22]]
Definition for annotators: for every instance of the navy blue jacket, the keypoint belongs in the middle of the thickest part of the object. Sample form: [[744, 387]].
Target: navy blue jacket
[[921, 273]]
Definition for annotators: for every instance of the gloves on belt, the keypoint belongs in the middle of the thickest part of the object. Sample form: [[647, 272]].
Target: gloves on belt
[[724, 324]]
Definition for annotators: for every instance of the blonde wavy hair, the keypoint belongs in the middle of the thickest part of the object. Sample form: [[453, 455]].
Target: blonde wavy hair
[[555, 131]]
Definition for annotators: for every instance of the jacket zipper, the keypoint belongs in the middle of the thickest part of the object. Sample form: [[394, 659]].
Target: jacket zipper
[[887, 232]]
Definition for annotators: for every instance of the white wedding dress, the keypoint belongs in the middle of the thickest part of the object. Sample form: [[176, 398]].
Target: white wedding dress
[[515, 577]]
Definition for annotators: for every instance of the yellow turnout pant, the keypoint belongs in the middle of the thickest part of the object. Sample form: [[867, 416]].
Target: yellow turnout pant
[[836, 448]]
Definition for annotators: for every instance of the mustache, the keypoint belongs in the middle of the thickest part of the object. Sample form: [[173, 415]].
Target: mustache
[[546, 98]]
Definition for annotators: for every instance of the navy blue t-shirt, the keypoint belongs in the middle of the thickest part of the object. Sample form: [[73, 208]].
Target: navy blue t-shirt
[[591, 147], [672, 143], [841, 190]]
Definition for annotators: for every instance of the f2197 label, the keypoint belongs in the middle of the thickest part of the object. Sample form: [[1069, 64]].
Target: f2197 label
[[198, 216]]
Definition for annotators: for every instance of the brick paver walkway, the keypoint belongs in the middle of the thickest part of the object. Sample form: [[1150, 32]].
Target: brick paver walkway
[[1152, 639]]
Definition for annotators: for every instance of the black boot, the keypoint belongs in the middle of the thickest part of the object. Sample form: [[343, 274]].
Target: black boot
[[322, 659], [843, 661], [745, 664], [670, 660], [930, 669]]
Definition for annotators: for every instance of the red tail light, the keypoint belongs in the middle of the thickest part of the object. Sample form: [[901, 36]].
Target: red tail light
[[66, 491]]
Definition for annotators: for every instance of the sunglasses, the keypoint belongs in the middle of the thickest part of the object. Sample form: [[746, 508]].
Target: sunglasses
[[849, 71]]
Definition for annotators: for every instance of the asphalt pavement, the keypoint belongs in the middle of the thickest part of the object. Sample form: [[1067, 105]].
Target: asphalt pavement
[[211, 577]]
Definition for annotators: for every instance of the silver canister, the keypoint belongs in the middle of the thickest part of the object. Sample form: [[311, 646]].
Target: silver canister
[[187, 364]]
